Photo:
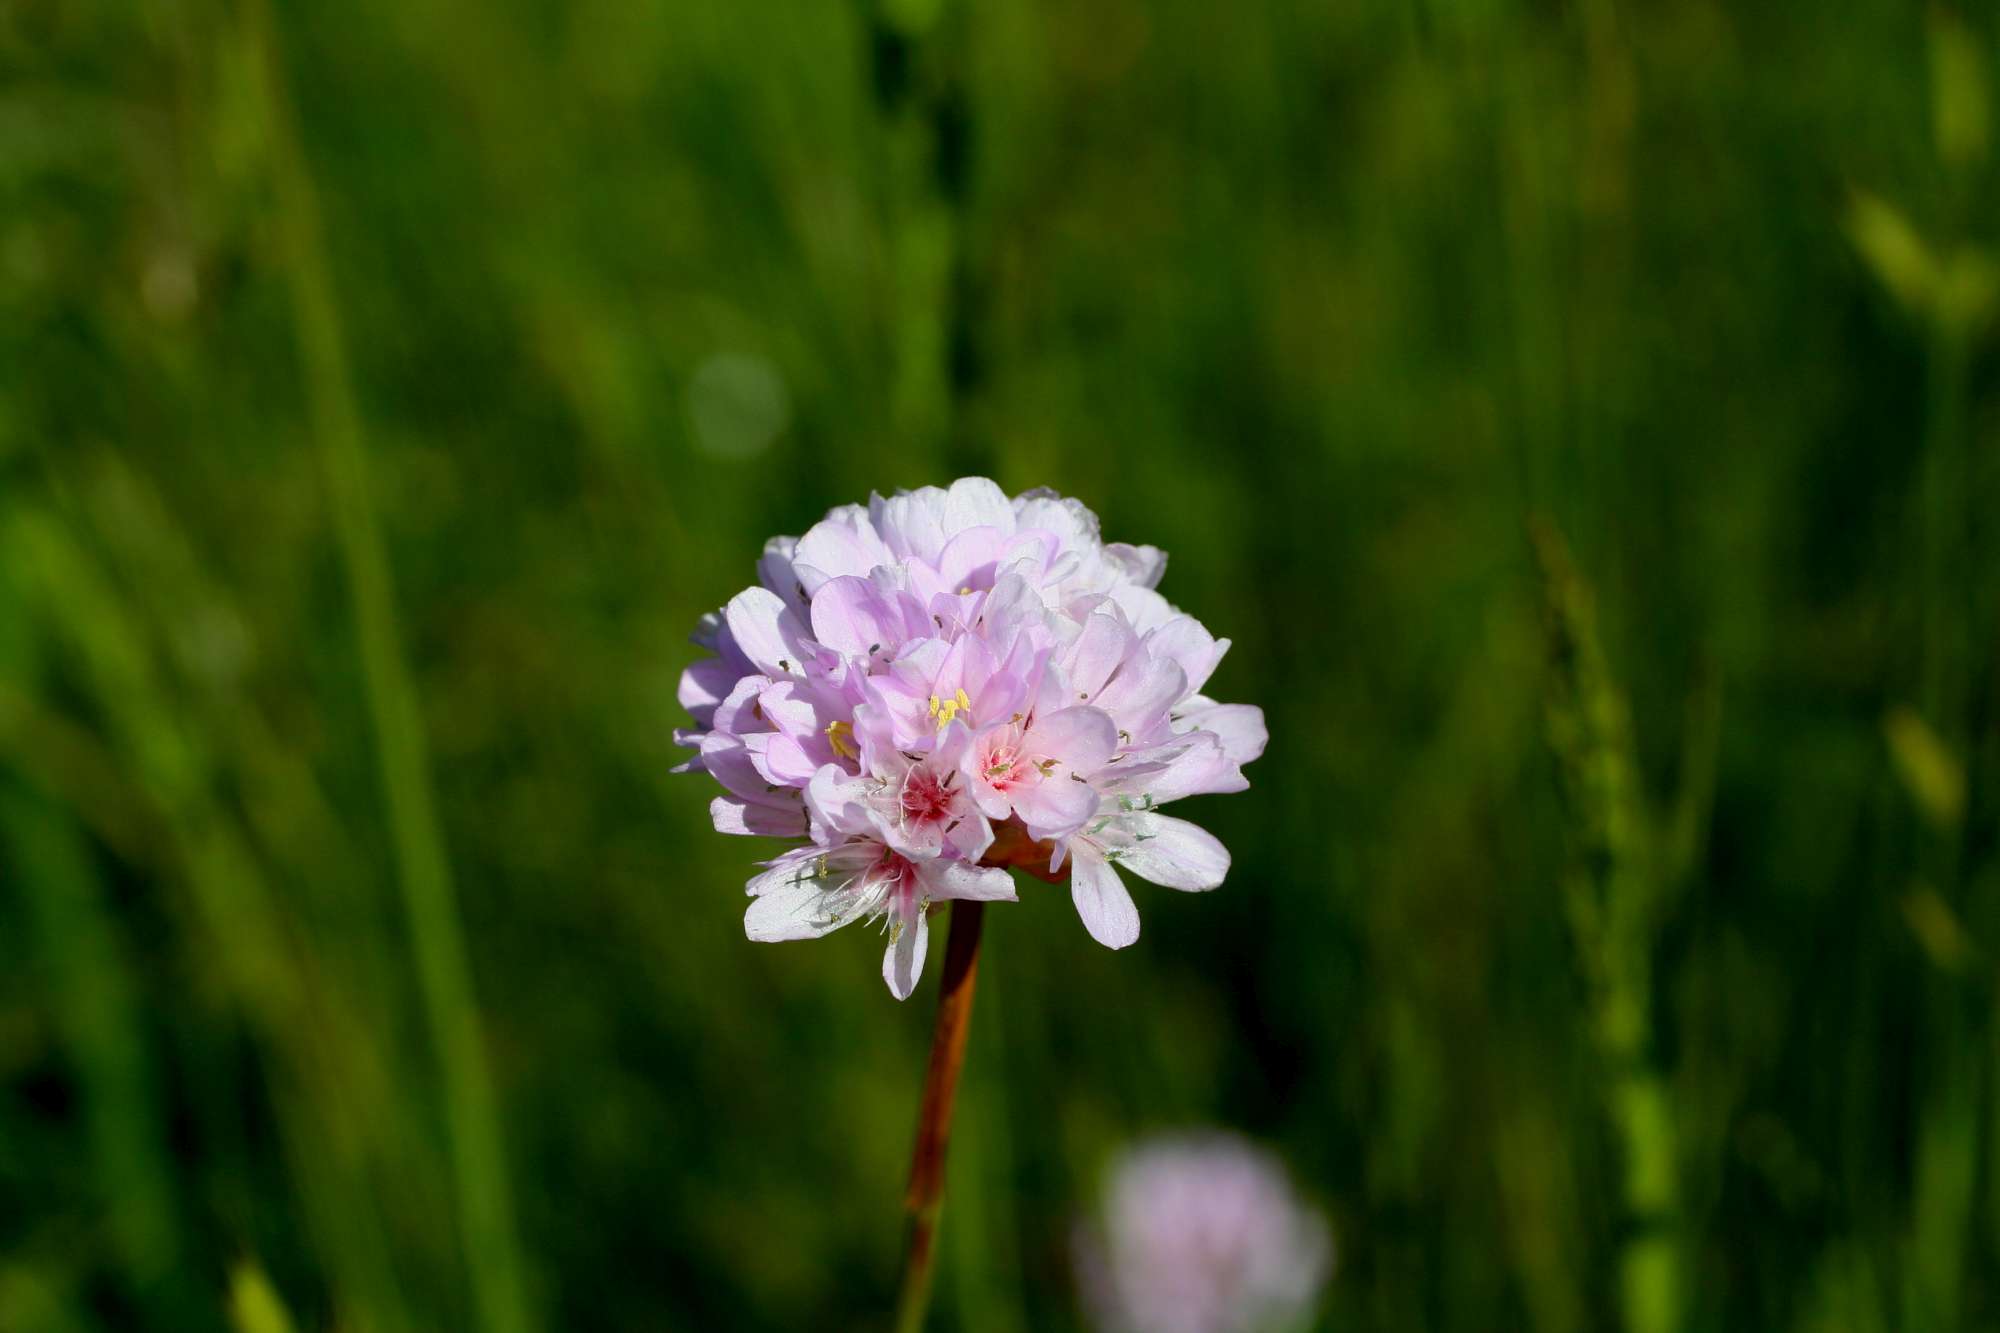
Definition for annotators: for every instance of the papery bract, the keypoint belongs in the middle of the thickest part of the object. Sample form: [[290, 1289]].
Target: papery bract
[[945, 681]]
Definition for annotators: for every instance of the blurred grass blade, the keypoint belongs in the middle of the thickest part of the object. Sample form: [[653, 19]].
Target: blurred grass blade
[[1933, 775], [328, 1078], [1966, 293], [1938, 929], [254, 1304], [1961, 110], [492, 1254], [1894, 251], [1615, 898], [97, 1004]]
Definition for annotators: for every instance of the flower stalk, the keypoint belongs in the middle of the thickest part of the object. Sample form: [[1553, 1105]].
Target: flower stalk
[[925, 1198]]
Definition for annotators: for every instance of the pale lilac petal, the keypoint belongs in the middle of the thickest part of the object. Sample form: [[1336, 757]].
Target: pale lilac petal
[[1057, 806], [1013, 608], [1183, 640], [785, 761], [1142, 565], [911, 523], [918, 524], [1069, 519], [843, 543], [733, 814], [1240, 727], [789, 707], [968, 559], [838, 801], [919, 663], [1194, 765], [766, 631], [1003, 692], [861, 618], [953, 741], [1029, 554], [1138, 698], [703, 685], [875, 731], [1098, 652], [993, 804], [1144, 608], [737, 714], [774, 571], [967, 667], [1103, 902], [972, 835], [730, 760], [1081, 739], [975, 502], [757, 746], [956, 879], [995, 691]]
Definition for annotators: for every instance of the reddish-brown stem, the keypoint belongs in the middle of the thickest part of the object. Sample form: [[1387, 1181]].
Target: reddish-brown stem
[[926, 1193]]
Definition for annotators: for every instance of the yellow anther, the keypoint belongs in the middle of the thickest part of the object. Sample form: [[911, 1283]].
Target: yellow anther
[[840, 735], [950, 708]]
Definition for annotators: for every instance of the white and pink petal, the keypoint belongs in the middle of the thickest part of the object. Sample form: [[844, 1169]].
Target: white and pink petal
[[793, 899], [903, 960], [1167, 851], [1102, 901]]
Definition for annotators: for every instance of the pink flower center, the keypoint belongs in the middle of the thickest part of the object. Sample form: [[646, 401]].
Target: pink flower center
[[895, 871], [1002, 765], [927, 799]]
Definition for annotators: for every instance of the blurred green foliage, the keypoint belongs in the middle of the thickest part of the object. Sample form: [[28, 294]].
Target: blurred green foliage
[[385, 387]]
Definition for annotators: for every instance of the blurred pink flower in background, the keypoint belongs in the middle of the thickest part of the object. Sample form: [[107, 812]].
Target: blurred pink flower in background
[[1201, 1233]]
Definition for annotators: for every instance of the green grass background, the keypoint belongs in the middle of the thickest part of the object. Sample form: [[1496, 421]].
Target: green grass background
[[1582, 416]]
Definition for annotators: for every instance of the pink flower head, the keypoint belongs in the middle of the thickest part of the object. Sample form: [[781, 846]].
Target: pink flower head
[[1201, 1234], [931, 686]]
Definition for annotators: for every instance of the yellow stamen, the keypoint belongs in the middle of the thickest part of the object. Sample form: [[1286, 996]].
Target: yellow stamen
[[840, 735], [950, 708]]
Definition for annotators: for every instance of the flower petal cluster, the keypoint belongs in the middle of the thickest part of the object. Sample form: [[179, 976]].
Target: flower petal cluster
[[936, 685], [1201, 1233]]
